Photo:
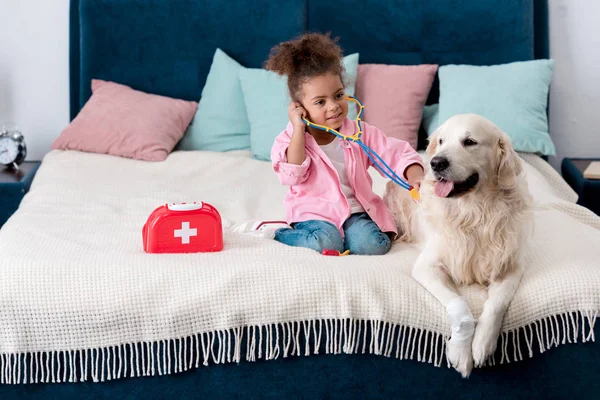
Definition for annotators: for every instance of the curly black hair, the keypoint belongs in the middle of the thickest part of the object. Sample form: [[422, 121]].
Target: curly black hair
[[312, 54]]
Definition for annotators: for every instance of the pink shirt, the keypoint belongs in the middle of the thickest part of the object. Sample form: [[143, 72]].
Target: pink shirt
[[315, 192]]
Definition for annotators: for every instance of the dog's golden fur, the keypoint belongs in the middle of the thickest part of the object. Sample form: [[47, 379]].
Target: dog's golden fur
[[475, 237]]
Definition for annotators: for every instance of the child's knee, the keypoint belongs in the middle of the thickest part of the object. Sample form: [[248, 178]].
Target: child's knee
[[320, 240], [315, 235], [376, 244]]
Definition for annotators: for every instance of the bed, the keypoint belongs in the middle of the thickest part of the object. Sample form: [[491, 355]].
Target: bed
[[87, 314]]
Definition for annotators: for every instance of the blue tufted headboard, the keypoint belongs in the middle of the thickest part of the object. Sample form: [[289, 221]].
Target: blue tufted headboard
[[166, 46]]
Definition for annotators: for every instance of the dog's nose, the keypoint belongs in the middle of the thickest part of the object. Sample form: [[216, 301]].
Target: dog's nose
[[438, 164]]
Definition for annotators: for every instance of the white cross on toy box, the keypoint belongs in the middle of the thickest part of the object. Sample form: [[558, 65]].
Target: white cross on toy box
[[185, 232]]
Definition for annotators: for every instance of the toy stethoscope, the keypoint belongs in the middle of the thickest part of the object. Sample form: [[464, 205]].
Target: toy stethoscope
[[378, 162]]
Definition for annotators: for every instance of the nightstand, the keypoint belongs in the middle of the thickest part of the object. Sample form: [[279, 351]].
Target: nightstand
[[587, 189], [14, 184]]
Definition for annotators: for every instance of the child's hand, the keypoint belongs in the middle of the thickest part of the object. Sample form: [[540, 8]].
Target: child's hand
[[295, 113], [414, 175]]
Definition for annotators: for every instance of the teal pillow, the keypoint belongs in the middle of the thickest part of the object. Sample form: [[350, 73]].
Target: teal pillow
[[220, 123], [513, 96], [267, 99], [431, 116]]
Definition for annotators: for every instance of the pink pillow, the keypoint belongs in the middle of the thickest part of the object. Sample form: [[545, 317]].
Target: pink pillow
[[394, 96], [121, 121]]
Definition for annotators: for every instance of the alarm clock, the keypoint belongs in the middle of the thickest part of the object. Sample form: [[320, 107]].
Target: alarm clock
[[12, 148]]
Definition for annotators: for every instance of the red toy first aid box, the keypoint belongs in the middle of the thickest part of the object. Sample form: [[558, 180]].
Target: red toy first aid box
[[183, 228]]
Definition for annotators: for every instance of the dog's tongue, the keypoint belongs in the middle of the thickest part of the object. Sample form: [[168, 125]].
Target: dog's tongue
[[443, 188]]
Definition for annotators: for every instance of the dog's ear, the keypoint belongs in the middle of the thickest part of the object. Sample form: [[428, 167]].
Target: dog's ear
[[509, 164], [432, 146]]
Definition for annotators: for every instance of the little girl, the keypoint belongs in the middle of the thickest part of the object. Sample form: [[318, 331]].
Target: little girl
[[330, 203]]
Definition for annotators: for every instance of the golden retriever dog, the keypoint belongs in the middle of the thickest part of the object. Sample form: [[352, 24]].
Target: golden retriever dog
[[470, 225]]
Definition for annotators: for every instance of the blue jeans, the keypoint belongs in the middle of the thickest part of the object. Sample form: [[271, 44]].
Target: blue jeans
[[362, 236]]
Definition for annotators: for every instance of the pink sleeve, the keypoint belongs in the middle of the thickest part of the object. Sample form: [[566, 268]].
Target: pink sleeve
[[288, 174], [397, 153]]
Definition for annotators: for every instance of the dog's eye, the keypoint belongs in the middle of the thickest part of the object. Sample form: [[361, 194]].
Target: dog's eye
[[441, 140], [469, 142]]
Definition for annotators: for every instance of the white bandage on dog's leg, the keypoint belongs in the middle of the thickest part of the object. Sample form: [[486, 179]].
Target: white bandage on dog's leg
[[461, 320]]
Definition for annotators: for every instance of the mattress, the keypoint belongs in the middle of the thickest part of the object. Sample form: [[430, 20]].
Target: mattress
[[80, 300]]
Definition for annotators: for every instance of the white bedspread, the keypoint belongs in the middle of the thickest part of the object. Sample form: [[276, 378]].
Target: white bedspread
[[76, 284]]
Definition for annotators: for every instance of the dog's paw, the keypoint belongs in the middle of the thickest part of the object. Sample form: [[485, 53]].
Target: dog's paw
[[460, 357], [485, 339]]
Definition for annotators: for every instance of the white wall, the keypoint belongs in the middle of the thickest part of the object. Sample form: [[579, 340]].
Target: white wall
[[34, 69], [34, 86], [575, 89]]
